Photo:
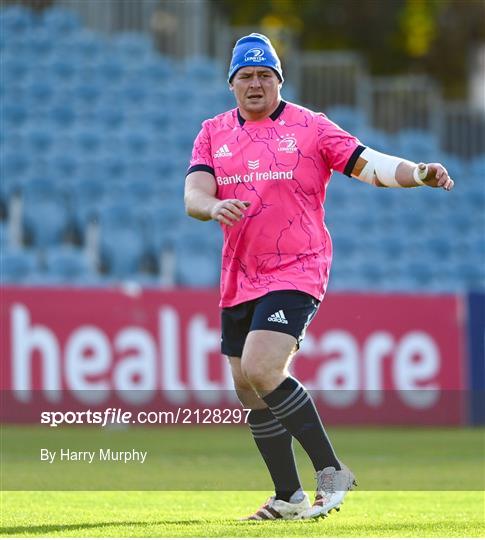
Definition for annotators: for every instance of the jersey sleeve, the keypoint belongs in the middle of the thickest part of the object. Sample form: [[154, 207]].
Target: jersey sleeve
[[339, 149], [201, 153]]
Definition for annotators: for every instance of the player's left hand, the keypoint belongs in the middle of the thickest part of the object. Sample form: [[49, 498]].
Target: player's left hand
[[437, 176]]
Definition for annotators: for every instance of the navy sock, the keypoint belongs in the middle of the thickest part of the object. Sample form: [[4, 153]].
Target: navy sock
[[275, 445], [292, 405]]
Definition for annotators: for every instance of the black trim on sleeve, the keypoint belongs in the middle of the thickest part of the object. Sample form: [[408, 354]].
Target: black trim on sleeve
[[353, 160], [205, 168]]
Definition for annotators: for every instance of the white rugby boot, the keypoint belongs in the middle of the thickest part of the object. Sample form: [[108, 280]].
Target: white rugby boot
[[332, 486], [275, 508]]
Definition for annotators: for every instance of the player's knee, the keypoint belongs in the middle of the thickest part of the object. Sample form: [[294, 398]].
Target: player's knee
[[258, 372], [252, 373], [248, 398], [245, 392], [241, 384], [240, 381]]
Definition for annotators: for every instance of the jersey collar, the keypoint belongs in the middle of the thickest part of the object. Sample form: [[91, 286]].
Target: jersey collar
[[274, 115]]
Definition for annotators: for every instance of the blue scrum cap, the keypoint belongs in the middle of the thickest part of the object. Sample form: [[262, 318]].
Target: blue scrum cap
[[254, 50]]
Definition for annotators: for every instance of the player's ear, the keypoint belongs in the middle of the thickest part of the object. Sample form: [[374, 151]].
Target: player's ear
[[231, 87]]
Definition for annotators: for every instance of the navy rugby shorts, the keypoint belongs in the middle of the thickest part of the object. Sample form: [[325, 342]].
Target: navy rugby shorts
[[289, 312]]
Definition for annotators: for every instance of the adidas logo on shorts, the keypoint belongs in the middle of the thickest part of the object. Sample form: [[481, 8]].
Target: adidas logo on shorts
[[278, 317]]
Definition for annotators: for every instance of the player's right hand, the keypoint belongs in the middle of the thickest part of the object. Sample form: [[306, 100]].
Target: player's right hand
[[229, 211], [437, 176]]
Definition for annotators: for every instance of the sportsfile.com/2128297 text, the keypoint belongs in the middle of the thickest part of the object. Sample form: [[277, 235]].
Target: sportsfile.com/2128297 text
[[179, 415]]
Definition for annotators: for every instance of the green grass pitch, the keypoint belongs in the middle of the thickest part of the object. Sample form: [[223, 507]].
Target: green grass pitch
[[212, 514], [373, 510]]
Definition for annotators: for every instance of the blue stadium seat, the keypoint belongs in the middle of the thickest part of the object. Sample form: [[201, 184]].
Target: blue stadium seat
[[88, 187], [14, 68], [62, 115], [183, 137], [45, 222], [68, 264], [17, 265], [132, 46], [61, 23], [39, 140], [345, 244], [38, 189], [134, 141], [39, 45], [161, 224], [473, 275], [371, 273], [378, 140], [40, 95], [476, 167], [122, 250], [14, 167], [437, 248], [141, 191], [4, 235], [15, 21], [87, 93], [10, 91], [12, 137], [87, 196], [466, 274], [475, 242], [111, 70], [196, 264], [157, 70], [203, 69], [147, 281], [117, 214], [88, 140], [455, 166], [388, 244], [215, 100], [476, 200], [349, 118], [461, 220], [163, 164], [180, 96], [63, 69], [418, 145], [85, 47], [289, 93], [64, 162], [39, 90], [420, 275], [109, 115], [111, 165], [132, 93], [156, 116]]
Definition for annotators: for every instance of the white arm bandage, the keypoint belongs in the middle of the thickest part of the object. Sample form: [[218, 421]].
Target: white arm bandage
[[380, 167]]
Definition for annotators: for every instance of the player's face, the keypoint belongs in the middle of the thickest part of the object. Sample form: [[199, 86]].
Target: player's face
[[257, 91]]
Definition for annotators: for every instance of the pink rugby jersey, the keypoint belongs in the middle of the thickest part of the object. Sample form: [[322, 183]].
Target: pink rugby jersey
[[281, 165]]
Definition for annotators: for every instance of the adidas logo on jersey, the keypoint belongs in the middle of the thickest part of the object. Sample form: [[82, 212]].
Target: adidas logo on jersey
[[278, 317], [223, 152]]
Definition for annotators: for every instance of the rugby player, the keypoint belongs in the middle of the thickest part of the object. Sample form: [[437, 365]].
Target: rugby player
[[261, 170]]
